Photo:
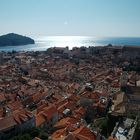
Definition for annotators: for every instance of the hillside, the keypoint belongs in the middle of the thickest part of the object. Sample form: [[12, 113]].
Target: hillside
[[13, 39]]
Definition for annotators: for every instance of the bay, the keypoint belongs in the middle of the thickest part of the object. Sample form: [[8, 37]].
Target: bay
[[45, 42]]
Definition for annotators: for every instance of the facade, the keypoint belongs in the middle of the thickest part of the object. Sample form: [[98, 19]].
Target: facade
[[125, 130]]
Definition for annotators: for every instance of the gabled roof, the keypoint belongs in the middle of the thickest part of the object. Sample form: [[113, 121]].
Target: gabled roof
[[15, 105], [21, 116], [2, 97], [16, 118], [49, 112], [7, 122], [40, 119], [45, 115], [84, 133], [65, 121], [80, 111]]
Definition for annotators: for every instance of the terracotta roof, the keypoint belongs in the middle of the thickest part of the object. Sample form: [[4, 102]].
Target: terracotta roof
[[50, 111], [111, 138], [69, 105], [65, 121], [91, 95], [41, 107], [15, 105], [45, 115], [61, 102], [80, 111], [84, 133], [58, 134], [1, 112], [2, 97], [73, 97], [21, 116], [7, 122], [38, 96], [40, 119]]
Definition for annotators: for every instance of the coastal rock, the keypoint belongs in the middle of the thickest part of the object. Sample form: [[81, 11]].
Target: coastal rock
[[13, 39]]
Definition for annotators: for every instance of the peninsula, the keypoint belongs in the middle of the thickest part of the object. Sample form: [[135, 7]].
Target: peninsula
[[13, 39]]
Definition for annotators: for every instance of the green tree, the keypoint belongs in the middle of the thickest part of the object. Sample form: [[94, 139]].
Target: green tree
[[43, 136], [34, 132]]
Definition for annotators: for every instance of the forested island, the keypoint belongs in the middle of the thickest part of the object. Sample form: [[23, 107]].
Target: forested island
[[13, 39]]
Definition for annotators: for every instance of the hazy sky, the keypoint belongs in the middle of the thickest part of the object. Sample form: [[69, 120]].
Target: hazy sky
[[70, 17]]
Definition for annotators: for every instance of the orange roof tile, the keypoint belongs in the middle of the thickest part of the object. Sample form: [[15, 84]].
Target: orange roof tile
[[80, 110], [50, 111], [111, 138], [40, 119], [2, 97], [45, 115], [38, 96], [65, 121], [21, 116], [7, 122], [84, 133], [68, 104], [15, 105], [41, 107], [59, 133]]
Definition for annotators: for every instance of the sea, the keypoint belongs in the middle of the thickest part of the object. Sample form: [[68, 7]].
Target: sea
[[45, 42]]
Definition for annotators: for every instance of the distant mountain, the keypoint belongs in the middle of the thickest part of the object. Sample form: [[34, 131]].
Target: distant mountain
[[13, 39]]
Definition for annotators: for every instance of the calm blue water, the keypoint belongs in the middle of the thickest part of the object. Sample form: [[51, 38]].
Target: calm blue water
[[42, 43]]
